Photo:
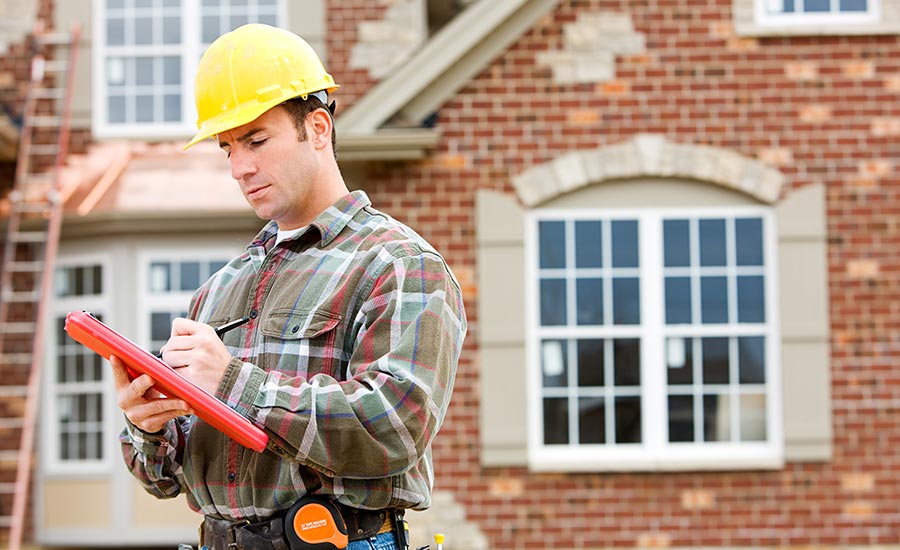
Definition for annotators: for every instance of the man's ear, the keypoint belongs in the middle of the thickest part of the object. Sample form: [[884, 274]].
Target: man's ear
[[319, 125]]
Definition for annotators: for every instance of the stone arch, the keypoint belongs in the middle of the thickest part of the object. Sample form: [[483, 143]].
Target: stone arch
[[648, 155]]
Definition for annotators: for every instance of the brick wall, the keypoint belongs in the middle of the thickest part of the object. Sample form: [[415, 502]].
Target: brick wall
[[820, 109]]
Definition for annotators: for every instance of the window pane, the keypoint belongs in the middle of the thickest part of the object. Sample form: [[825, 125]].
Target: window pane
[[816, 5], [115, 31], [681, 418], [553, 302], [554, 363], [751, 300], [591, 420], [552, 244], [628, 420], [144, 108], [680, 360], [751, 359], [171, 108], [678, 300], [590, 363], [627, 362], [588, 248], [143, 30], [97, 275], [237, 21], [853, 5], [626, 301], [713, 300], [556, 421], [210, 28], [160, 277], [171, 70], [625, 243], [160, 326], [190, 275], [715, 360], [589, 301], [748, 237], [753, 418], [215, 266], [171, 30], [143, 69], [712, 243], [716, 418], [676, 243]]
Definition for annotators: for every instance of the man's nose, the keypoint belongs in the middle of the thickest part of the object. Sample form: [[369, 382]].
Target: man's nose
[[242, 164]]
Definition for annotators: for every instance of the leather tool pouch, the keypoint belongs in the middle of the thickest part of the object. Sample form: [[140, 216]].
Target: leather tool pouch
[[315, 523]]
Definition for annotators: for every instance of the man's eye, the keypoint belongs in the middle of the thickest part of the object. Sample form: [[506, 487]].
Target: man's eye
[[258, 142]]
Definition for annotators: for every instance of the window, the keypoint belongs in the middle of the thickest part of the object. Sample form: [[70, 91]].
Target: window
[[148, 53], [654, 338], [816, 12], [168, 286], [78, 436]]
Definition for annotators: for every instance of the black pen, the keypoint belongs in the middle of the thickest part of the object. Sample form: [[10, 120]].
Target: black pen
[[220, 330]]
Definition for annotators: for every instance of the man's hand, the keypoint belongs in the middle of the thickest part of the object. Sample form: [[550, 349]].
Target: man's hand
[[143, 405], [198, 353]]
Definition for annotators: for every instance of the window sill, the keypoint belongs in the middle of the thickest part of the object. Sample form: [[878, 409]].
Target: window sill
[[754, 29], [673, 459]]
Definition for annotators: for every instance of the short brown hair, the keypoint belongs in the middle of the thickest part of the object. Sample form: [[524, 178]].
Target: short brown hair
[[299, 108]]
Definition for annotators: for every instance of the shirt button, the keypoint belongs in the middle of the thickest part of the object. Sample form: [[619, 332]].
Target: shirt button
[[295, 329], [253, 313], [231, 477]]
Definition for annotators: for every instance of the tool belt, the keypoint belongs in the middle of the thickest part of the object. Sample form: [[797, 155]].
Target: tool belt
[[220, 534]]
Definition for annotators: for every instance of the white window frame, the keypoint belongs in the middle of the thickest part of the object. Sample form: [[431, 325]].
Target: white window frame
[[654, 453], [101, 304], [190, 50], [833, 18], [150, 302]]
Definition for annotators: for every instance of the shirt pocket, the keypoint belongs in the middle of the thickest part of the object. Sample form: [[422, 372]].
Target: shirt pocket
[[301, 343]]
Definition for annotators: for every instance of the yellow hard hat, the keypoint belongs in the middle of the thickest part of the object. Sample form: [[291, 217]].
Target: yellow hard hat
[[249, 70]]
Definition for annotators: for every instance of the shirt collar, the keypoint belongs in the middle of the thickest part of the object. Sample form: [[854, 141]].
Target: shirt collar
[[329, 223]]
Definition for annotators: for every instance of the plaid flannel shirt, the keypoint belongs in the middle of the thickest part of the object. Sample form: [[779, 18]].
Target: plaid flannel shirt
[[348, 364]]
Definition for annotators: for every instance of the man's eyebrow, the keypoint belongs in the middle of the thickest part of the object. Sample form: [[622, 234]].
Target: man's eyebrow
[[247, 135]]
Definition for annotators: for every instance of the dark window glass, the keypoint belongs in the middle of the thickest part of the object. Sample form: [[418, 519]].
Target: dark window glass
[[190, 275], [713, 300], [752, 359], [588, 244], [853, 5], [627, 362], [216, 265], [676, 243], [749, 241], [716, 418], [816, 6], [552, 244], [678, 300], [553, 302], [681, 418], [712, 243], [628, 420], [680, 360], [625, 243], [626, 301], [589, 301], [591, 420], [555, 363], [160, 326], [556, 421], [715, 360], [751, 300], [590, 362]]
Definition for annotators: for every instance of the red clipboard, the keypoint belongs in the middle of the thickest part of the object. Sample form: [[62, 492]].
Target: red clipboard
[[89, 331]]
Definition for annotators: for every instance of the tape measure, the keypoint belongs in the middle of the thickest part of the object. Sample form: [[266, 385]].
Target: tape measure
[[315, 523]]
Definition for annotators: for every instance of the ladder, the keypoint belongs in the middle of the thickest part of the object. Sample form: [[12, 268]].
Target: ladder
[[26, 270]]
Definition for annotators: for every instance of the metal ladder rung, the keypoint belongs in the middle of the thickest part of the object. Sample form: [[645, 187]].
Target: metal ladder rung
[[31, 207], [30, 236], [17, 328], [45, 121], [48, 93], [15, 358], [25, 267], [56, 65], [10, 423], [13, 391], [21, 296], [54, 39], [43, 149]]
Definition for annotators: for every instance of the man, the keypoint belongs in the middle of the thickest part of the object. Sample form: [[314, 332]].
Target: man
[[355, 326]]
